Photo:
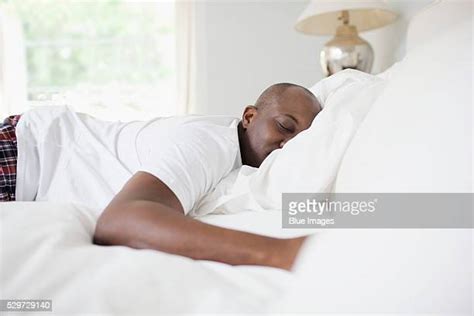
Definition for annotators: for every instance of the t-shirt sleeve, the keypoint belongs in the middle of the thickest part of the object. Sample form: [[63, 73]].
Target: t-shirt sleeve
[[190, 159]]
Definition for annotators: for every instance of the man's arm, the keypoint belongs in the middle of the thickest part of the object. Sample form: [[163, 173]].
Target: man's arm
[[146, 214]]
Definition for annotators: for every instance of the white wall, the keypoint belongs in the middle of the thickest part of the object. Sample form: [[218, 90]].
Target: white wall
[[245, 46]]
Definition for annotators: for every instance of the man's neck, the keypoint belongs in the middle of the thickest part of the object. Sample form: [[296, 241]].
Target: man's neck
[[245, 149]]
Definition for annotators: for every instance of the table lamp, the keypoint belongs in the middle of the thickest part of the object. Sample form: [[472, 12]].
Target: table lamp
[[345, 19]]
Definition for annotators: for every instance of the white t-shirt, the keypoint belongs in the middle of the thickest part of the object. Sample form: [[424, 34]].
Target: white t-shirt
[[72, 157]]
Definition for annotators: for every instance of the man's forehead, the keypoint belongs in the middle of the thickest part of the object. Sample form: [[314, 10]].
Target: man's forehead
[[293, 102], [295, 107]]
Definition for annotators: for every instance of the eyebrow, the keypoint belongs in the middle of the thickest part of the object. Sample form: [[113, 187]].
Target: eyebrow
[[291, 117]]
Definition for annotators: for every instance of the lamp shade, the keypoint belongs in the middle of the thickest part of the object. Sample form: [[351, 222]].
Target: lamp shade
[[321, 16]]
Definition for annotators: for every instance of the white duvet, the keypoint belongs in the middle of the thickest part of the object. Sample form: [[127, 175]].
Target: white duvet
[[46, 253]]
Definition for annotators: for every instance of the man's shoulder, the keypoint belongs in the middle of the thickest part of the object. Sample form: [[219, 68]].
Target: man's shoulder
[[208, 120], [192, 131], [211, 128], [206, 123]]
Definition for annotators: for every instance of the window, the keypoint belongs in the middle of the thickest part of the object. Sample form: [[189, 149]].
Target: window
[[114, 59]]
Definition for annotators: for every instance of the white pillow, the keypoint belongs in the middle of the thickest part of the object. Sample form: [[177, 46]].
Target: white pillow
[[324, 88], [309, 162], [418, 135], [434, 18], [416, 138]]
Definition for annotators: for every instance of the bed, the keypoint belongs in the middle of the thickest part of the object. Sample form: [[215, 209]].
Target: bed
[[46, 250], [47, 254]]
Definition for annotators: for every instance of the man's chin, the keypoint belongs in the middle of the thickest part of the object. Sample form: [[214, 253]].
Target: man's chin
[[260, 158], [268, 155], [263, 158]]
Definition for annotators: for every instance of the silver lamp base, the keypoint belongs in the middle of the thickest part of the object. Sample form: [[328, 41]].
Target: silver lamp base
[[346, 50]]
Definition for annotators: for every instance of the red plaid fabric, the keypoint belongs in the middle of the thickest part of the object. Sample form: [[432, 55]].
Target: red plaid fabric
[[8, 158]]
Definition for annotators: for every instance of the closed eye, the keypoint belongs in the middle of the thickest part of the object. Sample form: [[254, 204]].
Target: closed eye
[[285, 128]]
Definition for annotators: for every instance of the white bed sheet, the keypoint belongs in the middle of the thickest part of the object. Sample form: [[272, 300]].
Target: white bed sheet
[[46, 253]]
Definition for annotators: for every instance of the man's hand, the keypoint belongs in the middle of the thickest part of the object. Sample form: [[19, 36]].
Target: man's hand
[[146, 214]]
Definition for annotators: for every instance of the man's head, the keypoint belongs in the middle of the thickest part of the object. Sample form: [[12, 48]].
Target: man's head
[[281, 112]]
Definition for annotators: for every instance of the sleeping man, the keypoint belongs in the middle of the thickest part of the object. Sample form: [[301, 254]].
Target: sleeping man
[[171, 164]]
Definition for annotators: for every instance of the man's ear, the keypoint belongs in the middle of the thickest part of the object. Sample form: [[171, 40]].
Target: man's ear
[[249, 114]]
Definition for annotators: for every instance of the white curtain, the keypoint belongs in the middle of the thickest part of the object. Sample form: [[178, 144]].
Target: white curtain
[[13, 84], [186, 55]]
